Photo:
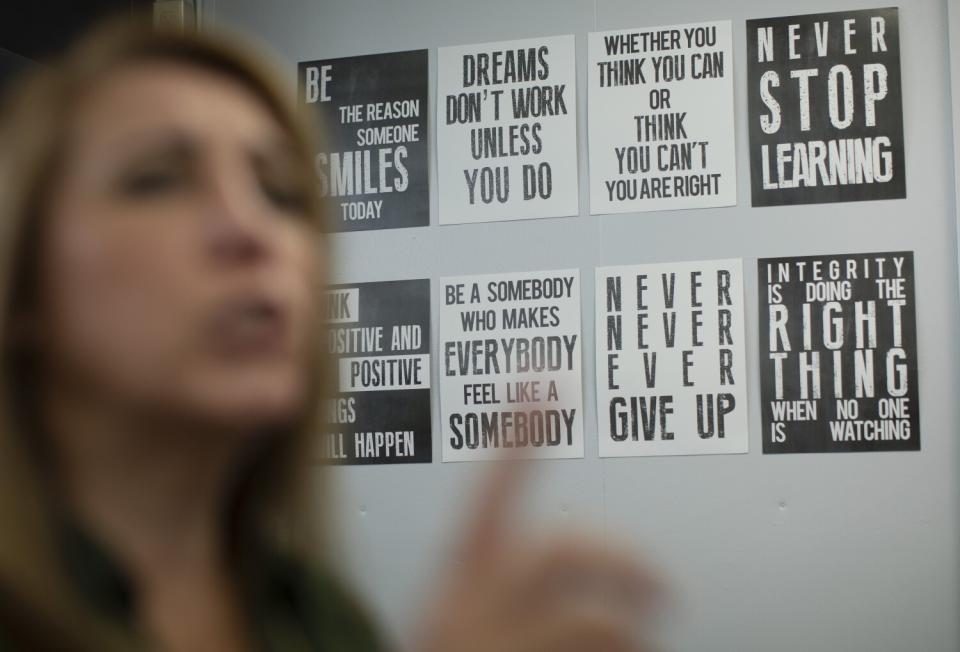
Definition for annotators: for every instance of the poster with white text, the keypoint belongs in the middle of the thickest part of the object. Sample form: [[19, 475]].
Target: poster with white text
[[671, 370], [379, 337], [510, 365], [507, 130], [661, 120], [838, 353], [374, 168], [824, 108]]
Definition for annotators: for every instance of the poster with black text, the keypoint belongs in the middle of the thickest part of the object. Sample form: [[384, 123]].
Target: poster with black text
[[671, 370], [510, 366], [507, 130], [379, 337], [824, 108], [838, 353], [661, 118], [374, 169]]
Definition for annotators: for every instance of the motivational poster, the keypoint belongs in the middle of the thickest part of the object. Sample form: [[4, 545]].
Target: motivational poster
[[379, 336], [507, 130], [661, 118], [510, 369], [838, 353], [824, 108], [671, 370], [375, 166]]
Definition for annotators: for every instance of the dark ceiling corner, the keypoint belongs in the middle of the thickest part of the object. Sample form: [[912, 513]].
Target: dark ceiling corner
[[33, 31], [39, 29]]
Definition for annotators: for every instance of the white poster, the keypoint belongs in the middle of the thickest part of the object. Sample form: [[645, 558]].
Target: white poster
[[661, 118], [510, 365], [507, 130], [671, 374]]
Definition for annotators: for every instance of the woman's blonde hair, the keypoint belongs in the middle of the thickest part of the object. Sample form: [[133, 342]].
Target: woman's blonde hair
[[38, 606]]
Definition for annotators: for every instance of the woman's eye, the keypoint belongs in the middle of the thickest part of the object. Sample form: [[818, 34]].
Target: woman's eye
[[147, 183], [285, 197]]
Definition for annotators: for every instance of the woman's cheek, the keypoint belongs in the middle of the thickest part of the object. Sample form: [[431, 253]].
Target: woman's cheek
[[112, 312]]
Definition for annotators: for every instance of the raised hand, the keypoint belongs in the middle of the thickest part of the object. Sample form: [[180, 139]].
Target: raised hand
[[506, 592]]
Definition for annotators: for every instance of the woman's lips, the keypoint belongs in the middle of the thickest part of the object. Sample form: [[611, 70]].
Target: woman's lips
[[250, 327]]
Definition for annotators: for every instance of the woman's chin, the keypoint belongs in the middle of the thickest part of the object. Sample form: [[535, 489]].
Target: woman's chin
[[251, 407]]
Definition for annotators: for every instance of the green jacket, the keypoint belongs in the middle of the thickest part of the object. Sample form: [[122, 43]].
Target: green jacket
[[293, 608]]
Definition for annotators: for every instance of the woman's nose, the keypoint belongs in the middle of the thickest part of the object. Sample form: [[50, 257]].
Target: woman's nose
[[238, 232]]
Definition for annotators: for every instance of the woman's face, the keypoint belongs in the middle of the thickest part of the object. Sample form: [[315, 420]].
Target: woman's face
[[178, 270]]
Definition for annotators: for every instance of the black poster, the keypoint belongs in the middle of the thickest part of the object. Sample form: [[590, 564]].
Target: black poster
[[825, 109], [838, 353], [375, 169], [379, 335]]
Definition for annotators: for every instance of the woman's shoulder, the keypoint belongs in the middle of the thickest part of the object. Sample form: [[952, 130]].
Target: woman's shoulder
[[23, 629], [306, 606]]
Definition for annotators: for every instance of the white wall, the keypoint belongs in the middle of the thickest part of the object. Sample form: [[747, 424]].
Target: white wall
[[953, 8], [789, 553]]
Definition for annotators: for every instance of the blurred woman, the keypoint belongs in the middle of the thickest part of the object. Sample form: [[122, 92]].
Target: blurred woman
[[161, 268]]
